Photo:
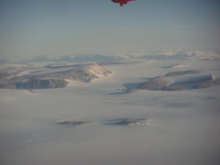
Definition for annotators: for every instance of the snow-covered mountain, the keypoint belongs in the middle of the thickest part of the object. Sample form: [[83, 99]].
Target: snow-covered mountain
[[50, 76], [74, 58], [177, 54], [166, 83], [206, 54]]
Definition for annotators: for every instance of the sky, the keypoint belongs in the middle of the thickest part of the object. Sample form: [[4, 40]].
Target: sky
[[30, 28]]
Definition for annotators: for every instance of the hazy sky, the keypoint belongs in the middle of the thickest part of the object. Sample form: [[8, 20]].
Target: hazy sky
[[30, 28]]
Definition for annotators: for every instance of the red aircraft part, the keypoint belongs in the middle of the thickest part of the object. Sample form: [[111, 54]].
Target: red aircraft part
[[121, 2]]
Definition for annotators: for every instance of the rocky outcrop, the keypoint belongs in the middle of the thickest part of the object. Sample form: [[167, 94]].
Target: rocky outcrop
[[207, 84], [86, 73], [128, 121], [164, 83], [50, 76], [80, 72], [194, 80], [178, 87], [155, 83], [41, 84], [7, 85], [180, 73], [73, 123]]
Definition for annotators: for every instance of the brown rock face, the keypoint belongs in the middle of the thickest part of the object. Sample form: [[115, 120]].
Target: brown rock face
[[41, 84], [155, 83]]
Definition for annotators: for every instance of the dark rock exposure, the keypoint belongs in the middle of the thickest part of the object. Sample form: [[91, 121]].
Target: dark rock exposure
[[49, 76], [72, 123], [155, 83], [128, 121], [41, 84], [7, 85], [207, 84], [164, 83], [180, 73], [192, 83]]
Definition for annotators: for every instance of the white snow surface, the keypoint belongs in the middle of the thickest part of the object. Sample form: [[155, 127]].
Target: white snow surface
[[183, 126]]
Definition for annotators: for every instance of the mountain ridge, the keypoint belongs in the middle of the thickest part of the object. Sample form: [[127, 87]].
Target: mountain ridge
[[47, 77]]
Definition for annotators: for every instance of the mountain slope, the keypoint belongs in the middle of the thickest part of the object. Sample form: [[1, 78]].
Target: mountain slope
[[53, 76]]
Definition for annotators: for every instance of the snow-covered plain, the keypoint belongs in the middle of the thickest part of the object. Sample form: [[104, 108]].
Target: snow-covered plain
[[182, 126]]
